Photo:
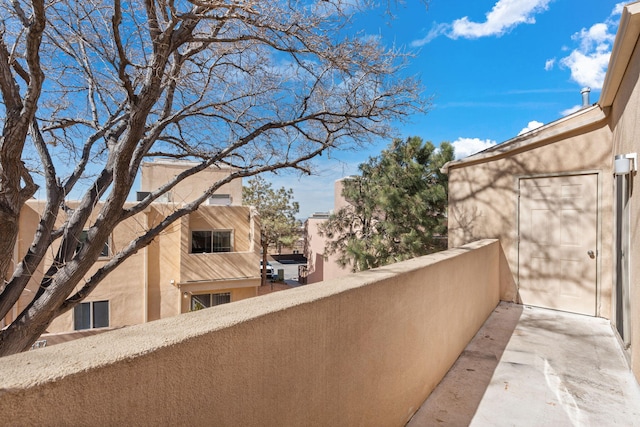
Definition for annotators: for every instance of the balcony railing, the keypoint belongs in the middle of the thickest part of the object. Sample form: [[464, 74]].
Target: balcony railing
[[365, 349]]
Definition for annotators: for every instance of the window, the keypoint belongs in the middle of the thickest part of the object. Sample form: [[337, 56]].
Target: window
[[83, 238], [141, 195], [198, 302], [211, 241], [220, 199], [89, 315]]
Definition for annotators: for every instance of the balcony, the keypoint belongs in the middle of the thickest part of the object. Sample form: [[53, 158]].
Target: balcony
[[219, 266], [529, 366], [364, 350]]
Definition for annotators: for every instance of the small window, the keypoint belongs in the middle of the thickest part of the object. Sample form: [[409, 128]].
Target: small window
[[83, 238], [220, 199], [198, 302], [141, 195], [90, 315], [209, 241]]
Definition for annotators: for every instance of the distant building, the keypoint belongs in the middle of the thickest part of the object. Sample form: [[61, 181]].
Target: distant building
[[320, 266], [207, 258], [159, 172]]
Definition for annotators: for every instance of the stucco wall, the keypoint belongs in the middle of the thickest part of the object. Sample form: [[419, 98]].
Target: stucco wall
[[124, 288], [158, 173], [483, 196], [625, 118], [147, 285], [314, 250], [362, 350], [320, 267]]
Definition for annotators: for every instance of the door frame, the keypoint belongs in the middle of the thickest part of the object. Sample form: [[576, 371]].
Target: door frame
[[620, 297], [599, 184]]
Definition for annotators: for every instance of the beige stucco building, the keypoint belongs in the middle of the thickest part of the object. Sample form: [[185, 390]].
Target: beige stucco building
[[320, 266], [206, 258], [157, 173], [566, 216]]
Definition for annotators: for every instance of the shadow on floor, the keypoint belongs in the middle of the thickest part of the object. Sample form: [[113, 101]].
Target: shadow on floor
[[456, 399]]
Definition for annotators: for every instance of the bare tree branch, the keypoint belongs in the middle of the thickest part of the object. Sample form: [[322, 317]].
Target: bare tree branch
[[257, 86]]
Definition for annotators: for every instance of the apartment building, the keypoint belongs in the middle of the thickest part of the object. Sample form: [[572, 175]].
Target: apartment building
[[207, 258]]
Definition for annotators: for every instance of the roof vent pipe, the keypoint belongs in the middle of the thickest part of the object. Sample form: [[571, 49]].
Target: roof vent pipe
[[585, 96]]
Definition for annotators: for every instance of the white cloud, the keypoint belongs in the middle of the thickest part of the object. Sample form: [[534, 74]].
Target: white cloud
[[548, 65], [436, 30], [571, 110], [587, 69], [588, 62], [505, 15], [617, 9], [531, 126], [464, 147]]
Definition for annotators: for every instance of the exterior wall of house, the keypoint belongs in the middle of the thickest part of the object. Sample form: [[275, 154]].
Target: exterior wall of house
[[158, 173], [483, 196], [320, 268], [625, 121], [365, 350]]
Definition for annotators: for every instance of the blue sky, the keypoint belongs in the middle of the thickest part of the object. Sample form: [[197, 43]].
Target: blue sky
[[493, 68]]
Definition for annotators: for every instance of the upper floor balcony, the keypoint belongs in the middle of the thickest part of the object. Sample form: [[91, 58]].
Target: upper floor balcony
[[214, 244], [363, 350]]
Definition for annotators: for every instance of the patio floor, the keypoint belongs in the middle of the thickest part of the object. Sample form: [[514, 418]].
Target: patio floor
[[529, 366]]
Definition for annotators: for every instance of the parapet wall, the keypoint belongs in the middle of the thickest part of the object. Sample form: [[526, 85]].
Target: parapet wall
[[362, 350]]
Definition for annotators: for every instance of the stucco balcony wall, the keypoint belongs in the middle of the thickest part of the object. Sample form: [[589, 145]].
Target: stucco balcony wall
[[362, 350], [219, 266]]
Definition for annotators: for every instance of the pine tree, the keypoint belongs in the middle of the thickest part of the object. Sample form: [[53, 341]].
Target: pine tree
[[277, 212], [397, 207]]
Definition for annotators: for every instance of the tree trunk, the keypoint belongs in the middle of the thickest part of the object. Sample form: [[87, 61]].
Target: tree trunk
[[9, 232]]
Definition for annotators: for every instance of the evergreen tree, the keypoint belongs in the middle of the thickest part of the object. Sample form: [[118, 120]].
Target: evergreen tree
[[397, 207], [277, 211]]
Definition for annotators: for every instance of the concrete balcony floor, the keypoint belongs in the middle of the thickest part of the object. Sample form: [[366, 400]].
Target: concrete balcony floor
[[529, 366]]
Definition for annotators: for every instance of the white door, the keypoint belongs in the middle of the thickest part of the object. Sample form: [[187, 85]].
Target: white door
[[557, 242]]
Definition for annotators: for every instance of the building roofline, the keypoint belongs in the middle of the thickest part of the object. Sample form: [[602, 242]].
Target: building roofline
[[625, 42], [623, 46], [182, 162], [580, 119]]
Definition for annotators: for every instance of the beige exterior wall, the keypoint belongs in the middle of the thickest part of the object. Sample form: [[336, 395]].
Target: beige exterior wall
[[314, 250], [360, 350], [160, 172], [320, 268], [625, 121], [483, 196]]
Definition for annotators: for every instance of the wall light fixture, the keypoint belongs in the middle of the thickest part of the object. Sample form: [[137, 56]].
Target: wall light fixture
[[624, 164]]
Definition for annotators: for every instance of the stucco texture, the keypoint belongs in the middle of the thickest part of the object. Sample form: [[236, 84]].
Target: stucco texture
[[483, 195], [625, 117], [362, 350]]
